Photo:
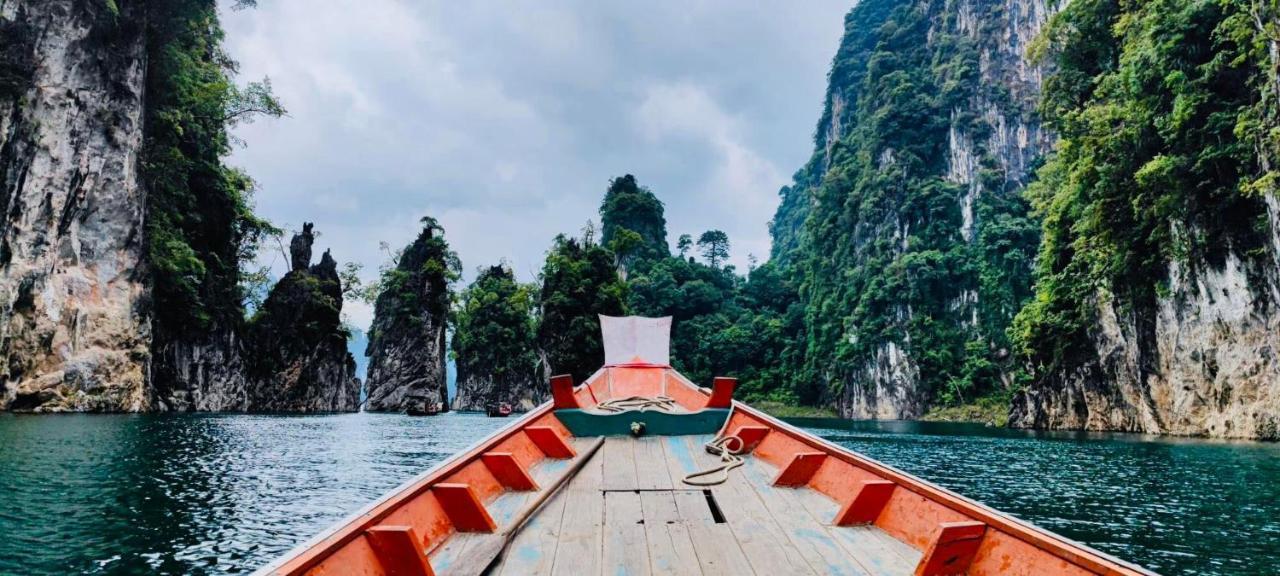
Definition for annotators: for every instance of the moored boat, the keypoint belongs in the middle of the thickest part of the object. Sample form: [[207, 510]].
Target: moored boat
[[640, 471], [501, 410]]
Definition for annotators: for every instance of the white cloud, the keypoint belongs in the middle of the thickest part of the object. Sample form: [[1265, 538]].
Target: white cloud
[[506, 121]]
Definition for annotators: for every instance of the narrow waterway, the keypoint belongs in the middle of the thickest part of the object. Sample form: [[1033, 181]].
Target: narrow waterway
[[223, 494]]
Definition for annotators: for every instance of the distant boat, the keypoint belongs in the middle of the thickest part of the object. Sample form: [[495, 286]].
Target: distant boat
[[639, 469], [498, 410], [423, 409]]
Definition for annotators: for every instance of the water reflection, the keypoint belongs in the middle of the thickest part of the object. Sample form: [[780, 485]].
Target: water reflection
[[222, 494], [1178, 506]]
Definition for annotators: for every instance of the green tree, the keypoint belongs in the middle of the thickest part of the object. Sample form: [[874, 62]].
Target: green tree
[[1163, 108], [630, 206], [200, 222], [494, 332], [684, 244], [579, 282], [715, 247]]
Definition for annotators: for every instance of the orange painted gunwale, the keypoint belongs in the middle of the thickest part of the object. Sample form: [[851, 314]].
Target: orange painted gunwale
[[1073, 552], [1033, 546], [310, 553]]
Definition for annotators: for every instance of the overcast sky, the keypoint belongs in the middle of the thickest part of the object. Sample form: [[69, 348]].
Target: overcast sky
[[505, 121]]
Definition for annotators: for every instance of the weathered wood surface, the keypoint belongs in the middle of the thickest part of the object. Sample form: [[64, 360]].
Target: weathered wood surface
[[627, 512]]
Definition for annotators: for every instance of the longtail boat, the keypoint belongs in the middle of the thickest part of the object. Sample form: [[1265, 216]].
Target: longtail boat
[[640, 471]]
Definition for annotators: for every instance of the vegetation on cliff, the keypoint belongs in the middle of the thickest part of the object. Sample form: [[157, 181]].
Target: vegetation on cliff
[[200, 223], [1165, 111], [411, 314], [723, 324], [872, 230], [493, 339], [579, 281]]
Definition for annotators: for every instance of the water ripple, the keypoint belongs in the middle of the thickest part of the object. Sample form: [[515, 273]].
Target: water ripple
[[223, 494]]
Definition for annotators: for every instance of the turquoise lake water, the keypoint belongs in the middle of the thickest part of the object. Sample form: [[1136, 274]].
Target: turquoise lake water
[[224, 494]]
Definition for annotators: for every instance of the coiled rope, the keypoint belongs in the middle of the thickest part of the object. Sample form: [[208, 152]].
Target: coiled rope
[[729, 459], [728, 448], [641, 403]]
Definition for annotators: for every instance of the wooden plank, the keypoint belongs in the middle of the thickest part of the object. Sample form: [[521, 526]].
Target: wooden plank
[[805, 532], [579, 545], [670, 546], [801, 468], [750, 436], [876, 555], [619, 464], [550, 442], [399, 550], [952, 549], [866, 504], [650, 464], [464, 508], [508, 471], [877, 552], [533, 551], [625, 543], [715, 546], [763, 542]]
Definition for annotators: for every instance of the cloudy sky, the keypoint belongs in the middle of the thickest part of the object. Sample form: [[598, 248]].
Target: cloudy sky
[[506, 120]]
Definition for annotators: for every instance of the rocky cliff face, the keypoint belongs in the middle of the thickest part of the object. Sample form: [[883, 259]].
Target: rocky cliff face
[[907, 227], [407, 339], [1206, 361], [72, 332], [296, 346], [479, 392], [290, 357], [1198, 353]]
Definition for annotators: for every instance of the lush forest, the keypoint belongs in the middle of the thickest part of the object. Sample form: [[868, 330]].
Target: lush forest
[[724, 323], [1167, 114], [201, 228]]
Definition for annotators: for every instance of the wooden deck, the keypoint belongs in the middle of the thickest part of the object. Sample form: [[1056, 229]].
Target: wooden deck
[[627, 512]]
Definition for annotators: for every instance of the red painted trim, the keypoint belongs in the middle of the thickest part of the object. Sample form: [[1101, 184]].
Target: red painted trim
[[637, 365], [562, 392], [464, 508], [550, 442], [310, 553], [508, 471], [952, 550], [722, 392], [801, 468], [866, 504], [399, 551], [750, 436]]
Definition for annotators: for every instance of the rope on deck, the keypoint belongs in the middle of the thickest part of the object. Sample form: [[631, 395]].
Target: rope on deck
[[729, 459], [642, 403]]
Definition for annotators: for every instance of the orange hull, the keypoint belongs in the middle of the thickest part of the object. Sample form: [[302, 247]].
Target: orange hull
[[409, 531]]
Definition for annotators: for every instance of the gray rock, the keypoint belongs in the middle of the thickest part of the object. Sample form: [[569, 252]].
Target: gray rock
[[72, 334]]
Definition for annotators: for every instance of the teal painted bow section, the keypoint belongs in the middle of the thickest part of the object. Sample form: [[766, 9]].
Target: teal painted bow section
[[583, 423]]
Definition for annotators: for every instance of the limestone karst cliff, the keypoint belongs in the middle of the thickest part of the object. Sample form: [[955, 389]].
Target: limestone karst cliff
[[1159, 275], [296, 344], [124, 231], [407, 338], [74, 331], [493, 344], [907, 230]]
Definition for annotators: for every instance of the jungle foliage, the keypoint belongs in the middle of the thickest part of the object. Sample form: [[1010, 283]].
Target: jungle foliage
[[579, 281], [871, 230], [495, 328], [414, 291], [200, 223], [1167, 116]]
